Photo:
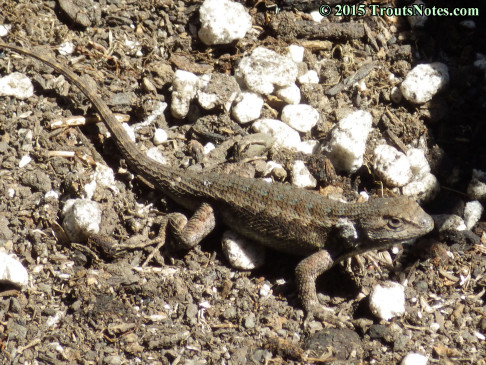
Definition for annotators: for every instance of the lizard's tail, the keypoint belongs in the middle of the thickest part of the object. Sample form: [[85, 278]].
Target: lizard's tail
[[138, 161]]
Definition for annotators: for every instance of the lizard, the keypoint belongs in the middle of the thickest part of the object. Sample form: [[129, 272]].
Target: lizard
[[281, 216]]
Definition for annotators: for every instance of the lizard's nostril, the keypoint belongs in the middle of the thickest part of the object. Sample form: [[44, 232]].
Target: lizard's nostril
[[428, 222]]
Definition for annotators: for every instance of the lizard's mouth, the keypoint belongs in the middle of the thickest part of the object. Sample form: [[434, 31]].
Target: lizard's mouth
[[385, 244], [407, 242]]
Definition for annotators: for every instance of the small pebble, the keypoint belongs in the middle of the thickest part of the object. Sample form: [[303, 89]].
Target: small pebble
[[434, 327], [66, 48], [301, 117], [155, 154], [242, 253], [448, 222], [309, 147], [204, 305], [208, 147], [184, 88], [279, 174], [148, 86], [130, 132], [364, 196], [387, 300], [296, 53], [415, 359], [250, 321], [223, 21], [472, 213], [424, 81], [17, 85], [51, 194], [396, 95], [301, 177], [418, 163], [290, 94], [12, 271], [248, 107], [392, 166], [4, 29], [133, 47], [24, 161], [265, 290], [270, 166], [105, 177], [54, 319], [264, 70], [316, 16], [423, 189], [348, 141], [81, 218], [283, 134], [160, 136], [476, 189], [310, 77]]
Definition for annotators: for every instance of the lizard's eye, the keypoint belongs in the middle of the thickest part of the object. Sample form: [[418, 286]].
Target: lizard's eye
[[394, 222]]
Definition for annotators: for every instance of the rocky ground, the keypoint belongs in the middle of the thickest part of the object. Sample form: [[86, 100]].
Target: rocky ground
[[142, 306]]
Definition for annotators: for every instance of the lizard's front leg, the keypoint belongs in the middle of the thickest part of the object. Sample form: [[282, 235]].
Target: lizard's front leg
[[306, 273], [188, 233]]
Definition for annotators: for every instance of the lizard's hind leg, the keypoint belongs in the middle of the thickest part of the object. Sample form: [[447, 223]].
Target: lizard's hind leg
[[188, 233]]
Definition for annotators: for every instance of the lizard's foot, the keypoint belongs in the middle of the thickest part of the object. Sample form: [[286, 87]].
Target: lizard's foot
[[315, 308], [324, 314], [306, 273]]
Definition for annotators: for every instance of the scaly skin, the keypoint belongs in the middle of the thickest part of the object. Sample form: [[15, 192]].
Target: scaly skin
[[280, 216]]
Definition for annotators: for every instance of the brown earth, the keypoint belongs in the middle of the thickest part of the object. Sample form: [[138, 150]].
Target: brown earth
[[81, 307]]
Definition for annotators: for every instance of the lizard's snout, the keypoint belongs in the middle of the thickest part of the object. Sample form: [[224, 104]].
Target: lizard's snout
[[427, 223]]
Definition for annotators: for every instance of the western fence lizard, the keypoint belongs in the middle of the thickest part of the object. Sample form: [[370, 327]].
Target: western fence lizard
[[279, 216]]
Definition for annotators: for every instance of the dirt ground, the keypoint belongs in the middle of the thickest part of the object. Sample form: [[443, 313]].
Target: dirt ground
[[82, 307]]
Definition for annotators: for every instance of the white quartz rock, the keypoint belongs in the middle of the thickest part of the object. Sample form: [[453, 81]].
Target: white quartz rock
[[264, 70], [387, 300], [348, 141], [301, 117], [12, 271], [81, 218], [424, 81], [223, 21], [16, 84], [242, 253], [392, 166], [283, 134]]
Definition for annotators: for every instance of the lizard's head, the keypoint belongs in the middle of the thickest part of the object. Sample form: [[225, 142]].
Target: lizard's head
[[395, 220]]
